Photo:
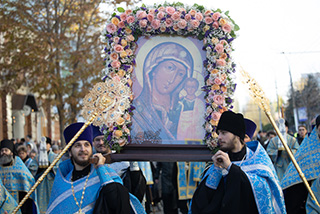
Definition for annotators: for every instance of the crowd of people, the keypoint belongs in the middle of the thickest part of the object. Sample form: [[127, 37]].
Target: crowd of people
[[249, 174]]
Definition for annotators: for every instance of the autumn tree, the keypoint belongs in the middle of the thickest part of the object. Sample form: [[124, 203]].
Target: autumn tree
[[54, 48]]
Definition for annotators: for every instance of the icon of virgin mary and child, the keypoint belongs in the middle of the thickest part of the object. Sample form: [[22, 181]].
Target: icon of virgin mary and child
[[162, 115]]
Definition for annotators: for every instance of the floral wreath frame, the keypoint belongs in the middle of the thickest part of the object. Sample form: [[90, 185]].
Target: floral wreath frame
[[215, 28]]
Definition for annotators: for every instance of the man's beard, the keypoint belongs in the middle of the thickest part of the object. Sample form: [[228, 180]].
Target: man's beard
[[81, 162], [229, 146], [6, 159]]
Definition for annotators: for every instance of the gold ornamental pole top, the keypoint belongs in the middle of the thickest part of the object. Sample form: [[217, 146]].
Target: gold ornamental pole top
[[259, 97]]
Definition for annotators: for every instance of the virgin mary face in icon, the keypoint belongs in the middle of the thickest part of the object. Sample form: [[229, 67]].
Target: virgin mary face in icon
[[168, 75], [165, 69]]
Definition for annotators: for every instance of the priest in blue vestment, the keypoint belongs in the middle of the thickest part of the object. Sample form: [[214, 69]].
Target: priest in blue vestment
[[7, 202], [81, 187], [308, 159], [242, 178], [16, 177]]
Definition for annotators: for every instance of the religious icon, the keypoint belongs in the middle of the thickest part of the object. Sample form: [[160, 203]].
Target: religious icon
[[168, 99]]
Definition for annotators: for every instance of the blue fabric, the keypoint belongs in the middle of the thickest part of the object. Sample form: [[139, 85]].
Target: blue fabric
[[262, 176], [45, 187], [146, 171], [187, 181], [308, 159], [62, 201], [17, 178], [96, 131], [311, 206], [282, 161], [7, 202]]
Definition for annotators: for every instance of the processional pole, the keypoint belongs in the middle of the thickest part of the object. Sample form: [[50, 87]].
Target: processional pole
[[259, 97], [102, 101]]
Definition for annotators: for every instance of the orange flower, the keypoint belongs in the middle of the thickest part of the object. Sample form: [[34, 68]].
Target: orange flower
[[223, 56], [117, 133], [115, 21], [223, 88], [215, 87], [124, 42], [121, 73], [214, 71], [123, 54], [120, 121], [213, 122], [222, 22], [214, 135]]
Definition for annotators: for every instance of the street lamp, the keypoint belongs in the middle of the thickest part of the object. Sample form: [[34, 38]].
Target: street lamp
[[295, 113]]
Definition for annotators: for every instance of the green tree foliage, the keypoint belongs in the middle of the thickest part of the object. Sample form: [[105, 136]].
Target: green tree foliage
[[53, 47]]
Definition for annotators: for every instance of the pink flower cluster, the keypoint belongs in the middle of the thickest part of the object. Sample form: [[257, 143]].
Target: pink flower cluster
[[163, 18]]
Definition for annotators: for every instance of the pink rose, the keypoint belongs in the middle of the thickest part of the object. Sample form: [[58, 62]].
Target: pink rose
[[114, 56], [149, 28], [176, 16], [130, 38], [150, 17], [161, 9], [128, 12], [123, 16], [219, 48], [163, 28], [221, 62], [207, 13], [217, 81], [143, 23], [182, 24], [115, 64], [141, 14], [218, 99], [215, 25], [199, 16], [176, 27], [155, 24], [187, 17], [169, 22], [121, 24], [170, 10], [116, 39], [216, 116], [192, 12], [118, 48], [129, 52], [208, 20], [151, 11], [182, 10], [160, 15], [111, 28], [130, 19], [194, 23], [223, 42], [226, 28], [216, 16]]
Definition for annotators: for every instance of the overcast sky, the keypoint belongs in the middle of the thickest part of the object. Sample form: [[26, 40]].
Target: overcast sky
[[268, 28]]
